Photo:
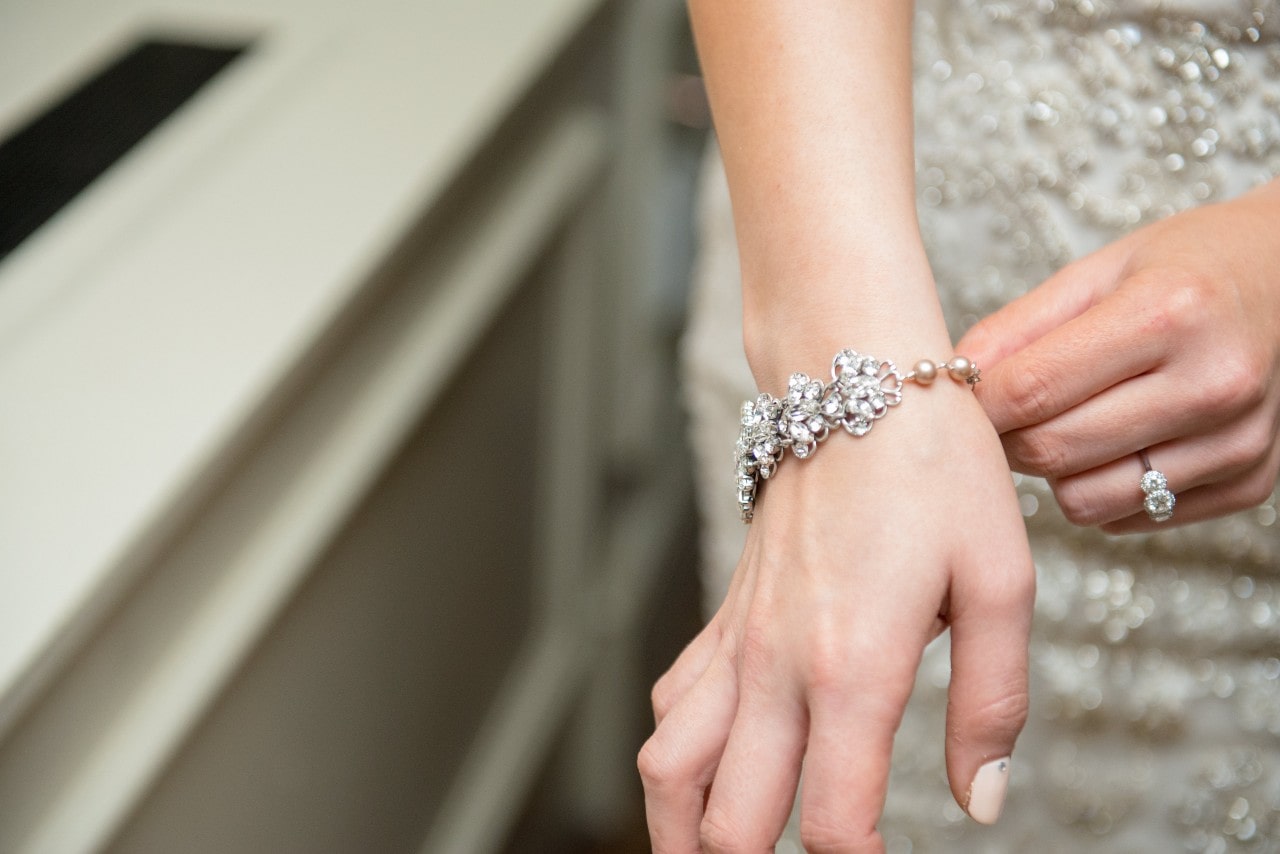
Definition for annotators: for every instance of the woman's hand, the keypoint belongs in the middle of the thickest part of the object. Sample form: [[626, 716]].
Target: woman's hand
[[856, 559], [1167, 340]]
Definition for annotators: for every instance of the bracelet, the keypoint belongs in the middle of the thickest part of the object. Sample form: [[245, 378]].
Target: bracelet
[[861, 391]]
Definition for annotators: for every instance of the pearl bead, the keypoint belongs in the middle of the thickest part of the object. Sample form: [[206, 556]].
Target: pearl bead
[[961, 368], [925, 371]]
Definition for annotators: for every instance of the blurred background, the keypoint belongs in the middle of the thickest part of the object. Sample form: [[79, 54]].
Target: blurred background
[[344, 504]]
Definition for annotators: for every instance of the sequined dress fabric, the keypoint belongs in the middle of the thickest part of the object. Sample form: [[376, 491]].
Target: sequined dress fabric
[[1045, 129]]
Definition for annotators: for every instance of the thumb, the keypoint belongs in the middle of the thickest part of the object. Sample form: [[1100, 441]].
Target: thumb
[[987, 702], [1064, 296]]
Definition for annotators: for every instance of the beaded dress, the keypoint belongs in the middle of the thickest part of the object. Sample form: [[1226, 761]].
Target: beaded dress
[[1045, 129]]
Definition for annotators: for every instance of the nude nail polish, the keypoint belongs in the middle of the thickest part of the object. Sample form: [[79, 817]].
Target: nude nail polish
[[987, 791]]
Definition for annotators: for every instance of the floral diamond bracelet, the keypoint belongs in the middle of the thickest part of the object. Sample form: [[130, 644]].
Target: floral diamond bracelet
[[861, 391]]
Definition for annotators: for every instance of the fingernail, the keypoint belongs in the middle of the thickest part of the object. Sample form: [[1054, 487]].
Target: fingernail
[[987, 791]]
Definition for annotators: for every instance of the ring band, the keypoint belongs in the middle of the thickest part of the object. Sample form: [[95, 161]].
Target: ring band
[[1159, 500]]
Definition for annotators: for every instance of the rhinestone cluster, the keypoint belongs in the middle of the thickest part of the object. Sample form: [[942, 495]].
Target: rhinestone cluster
[[1159, 500], [861, 391]]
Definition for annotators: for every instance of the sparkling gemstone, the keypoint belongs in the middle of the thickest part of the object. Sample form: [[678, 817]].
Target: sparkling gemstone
[[1153, 481], [1159, 505], [857, 426]]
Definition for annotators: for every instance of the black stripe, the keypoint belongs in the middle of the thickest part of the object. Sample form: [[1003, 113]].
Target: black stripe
[[47, 163]]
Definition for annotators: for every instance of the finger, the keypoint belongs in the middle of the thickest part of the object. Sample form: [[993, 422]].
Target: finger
[[1141, 412], [1114, 340], [1197, 505], [1111, 492], [1060, 298], [855, 709], [755, 783], [686, 670], [1207, 502], [679, 760], [694, 659], [987, 700], [1109, 426]]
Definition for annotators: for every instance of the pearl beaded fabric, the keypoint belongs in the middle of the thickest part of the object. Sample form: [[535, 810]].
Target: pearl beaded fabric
[[1045, 129]]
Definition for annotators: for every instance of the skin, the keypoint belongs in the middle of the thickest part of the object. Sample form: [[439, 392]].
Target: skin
[[1166, 340], [860, 556]]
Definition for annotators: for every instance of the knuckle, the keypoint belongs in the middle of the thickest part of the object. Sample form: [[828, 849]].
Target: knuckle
[[1249, 448], [1032, 396], [1077, 504], [1010, 593], [827, 662], [821, 831], [656, 767], [720, 834], [1005, 716], [1039, 453], [662, 696], [1240, 384], [834, 657], [980, 337], [1017, 589], [891, 671], [1270, 475], [1181, 303], [1257, 489], [1235, 454]]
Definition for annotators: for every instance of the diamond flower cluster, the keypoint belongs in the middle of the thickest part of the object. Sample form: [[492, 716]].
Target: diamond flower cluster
[[1159, 500], [861, 390]]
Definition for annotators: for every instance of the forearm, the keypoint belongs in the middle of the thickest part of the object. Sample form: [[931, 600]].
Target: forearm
[[812, 103]]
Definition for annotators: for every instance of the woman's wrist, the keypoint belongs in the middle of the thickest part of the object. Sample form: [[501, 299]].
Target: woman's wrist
[[819, 299], [896, 324]]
